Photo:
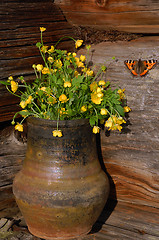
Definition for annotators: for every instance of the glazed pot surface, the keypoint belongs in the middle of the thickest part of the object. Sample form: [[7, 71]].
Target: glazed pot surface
[[61, 189]]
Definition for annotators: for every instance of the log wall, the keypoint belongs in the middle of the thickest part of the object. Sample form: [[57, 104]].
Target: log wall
[[131, 157], [140, 16], [19, 32]]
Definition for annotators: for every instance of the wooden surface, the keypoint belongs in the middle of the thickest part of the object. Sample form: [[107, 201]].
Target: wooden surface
[[140, 16], [131, 157], [20, 23]]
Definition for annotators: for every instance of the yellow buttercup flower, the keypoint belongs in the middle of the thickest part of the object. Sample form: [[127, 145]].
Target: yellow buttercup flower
[[39, 67], [23, 104], [10, 78], [14, 86], [78, 43], [44, 49], [67, 84], [83, 109], [42, 29], [96, 129], [63, 98], [80, 64], [57, 133], [96, 99], [82, 58], [103, 111], [127, 109], [121, 93], [101, 83], [28, 101], [19, 127], [50, 59], [51, 50], [89, 72], [45, 70]]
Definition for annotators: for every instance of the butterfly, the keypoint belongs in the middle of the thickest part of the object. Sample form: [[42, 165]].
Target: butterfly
[[140, 67]]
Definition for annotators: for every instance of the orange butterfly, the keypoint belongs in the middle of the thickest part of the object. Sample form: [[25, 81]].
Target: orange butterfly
[[140, 67]]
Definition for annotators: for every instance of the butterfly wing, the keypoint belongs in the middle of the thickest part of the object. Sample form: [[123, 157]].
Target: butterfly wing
[[132, 65], [146, 65]]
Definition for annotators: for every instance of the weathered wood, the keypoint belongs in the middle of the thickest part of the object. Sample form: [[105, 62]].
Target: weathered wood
[[139, 16], [131, 157], [19, 32]]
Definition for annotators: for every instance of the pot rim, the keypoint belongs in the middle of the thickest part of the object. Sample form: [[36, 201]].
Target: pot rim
[[62, 123]]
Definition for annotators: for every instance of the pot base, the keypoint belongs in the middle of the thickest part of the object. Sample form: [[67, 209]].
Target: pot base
[[41, 235]]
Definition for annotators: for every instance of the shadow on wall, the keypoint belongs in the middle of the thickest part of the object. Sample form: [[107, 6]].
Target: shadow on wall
[[112, 199]]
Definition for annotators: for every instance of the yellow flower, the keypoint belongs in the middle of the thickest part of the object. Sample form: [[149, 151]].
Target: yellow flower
[[74, 54], [109, 123], [96, 99], [127, 109], [63, 98], [103, 111], [14, 86], [82, 58], [57, 133], [78, 43], [121, 93], [114, 123], [51, 50], [50, 59], [23, 104], [101, 83], [58, 63], [89, 72], [10, 78], [44, 49], [80, 64], [67, 84], [42, 29], [76, 73], [28, 101], [39, 67], [19, 127], [43, 89], [83, 109], [96, 129], [45, 70]]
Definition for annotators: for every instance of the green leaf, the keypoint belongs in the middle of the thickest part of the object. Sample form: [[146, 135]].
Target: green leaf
[[5, 82], [120, 110]]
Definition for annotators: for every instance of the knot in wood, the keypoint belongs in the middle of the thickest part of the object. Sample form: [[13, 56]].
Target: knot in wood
[[101, 3]]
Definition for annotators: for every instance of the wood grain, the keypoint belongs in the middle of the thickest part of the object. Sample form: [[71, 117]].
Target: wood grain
[[139, 16], [131, 157], [20, 23]]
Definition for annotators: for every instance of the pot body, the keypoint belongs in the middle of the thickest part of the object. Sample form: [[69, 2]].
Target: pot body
[[61, 189]]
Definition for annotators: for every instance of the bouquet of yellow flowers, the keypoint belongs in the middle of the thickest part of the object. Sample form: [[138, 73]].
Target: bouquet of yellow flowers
[[66, 88]]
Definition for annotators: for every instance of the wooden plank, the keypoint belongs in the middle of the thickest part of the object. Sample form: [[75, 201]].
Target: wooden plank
[[128, 221], [19, 32], [139, 16], [131, 157]]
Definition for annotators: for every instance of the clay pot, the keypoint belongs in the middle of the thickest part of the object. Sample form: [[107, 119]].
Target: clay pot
[[61, 189]]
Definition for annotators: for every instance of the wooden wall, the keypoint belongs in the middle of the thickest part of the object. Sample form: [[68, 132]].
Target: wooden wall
[[20, 23], [130, 157], [139, 16]]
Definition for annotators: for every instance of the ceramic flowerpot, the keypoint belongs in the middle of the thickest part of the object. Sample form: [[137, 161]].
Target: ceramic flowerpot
[[61, 189]]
